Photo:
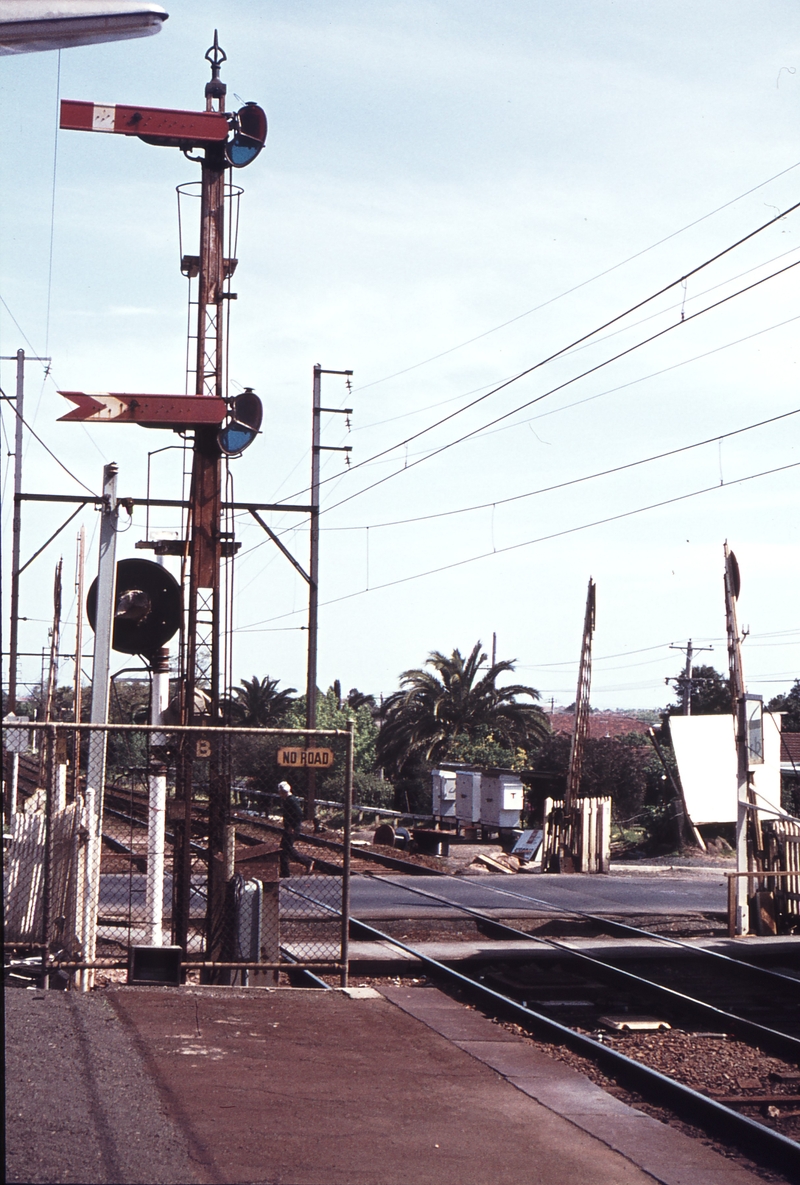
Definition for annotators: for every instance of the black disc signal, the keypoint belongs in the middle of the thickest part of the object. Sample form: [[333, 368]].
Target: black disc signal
[[250, 132], [242, 427], [147, 608]]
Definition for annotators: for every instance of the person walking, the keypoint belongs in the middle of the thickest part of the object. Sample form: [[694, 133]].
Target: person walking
[[292, 810]]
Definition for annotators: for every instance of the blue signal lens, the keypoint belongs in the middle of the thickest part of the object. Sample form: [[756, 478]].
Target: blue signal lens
[[234, 438], [241, 154]]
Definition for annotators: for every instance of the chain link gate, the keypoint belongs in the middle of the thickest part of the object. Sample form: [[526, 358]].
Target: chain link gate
[[96, 868]]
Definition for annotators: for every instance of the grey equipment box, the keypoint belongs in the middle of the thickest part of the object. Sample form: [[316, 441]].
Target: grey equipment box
[[256, 927]]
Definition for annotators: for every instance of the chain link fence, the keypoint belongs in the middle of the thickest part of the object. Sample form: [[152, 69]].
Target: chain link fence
[[124, 839]]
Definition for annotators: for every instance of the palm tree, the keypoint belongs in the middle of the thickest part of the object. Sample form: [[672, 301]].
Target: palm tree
[[436, 708], [257, 703]]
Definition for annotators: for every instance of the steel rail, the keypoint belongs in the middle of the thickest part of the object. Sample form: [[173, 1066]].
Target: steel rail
[[297, 968], [634, 930], [393, 862], [763, 1143], [773, 1039]]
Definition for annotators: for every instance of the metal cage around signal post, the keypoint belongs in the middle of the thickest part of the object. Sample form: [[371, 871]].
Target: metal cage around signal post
[[84, 890]]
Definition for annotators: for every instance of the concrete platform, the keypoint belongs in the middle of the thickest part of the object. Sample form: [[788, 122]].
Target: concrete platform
[[294, 1087]]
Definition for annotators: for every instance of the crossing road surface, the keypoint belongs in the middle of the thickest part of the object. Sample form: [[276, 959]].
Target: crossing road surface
[[376, 896]]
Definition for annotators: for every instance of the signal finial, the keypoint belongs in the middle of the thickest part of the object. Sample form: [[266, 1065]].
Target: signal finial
[[216, 88]]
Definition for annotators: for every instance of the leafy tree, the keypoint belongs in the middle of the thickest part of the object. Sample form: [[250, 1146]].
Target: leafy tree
[[257, 703], [437, 711], [626, 768], [355, 698], [332, 713], [790, 704], [711, 696]]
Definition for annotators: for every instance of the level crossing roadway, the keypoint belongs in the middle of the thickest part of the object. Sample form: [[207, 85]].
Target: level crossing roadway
[[664, 894]]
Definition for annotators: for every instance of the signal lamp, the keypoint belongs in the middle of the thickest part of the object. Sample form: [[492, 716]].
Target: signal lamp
[[243, 426], [250, 124]]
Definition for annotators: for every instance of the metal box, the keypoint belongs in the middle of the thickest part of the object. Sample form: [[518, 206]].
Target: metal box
[[468, 796], [443, 785], [502, 799], [256, 927], [155, 964]]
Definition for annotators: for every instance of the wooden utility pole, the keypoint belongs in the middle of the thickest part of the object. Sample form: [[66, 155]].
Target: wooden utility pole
[[688, 681], [16, 526], [567, 856], [582, 707], [732, 586]]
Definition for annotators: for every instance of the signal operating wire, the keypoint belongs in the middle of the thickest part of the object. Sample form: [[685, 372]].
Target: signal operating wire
[[583, 283], [571, 346], [47, 449], [540, 539], [52, 211]]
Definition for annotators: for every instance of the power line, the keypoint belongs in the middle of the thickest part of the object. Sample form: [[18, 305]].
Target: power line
[[573, 481], [540, 539], [22, 331], [585, 337], [583, 283], [559, 387]]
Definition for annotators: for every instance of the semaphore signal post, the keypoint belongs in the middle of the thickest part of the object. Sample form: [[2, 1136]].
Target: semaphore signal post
[[220, 426]]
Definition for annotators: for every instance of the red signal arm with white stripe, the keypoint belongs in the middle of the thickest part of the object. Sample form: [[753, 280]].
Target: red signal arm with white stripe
[[175, 129], [151, 411]]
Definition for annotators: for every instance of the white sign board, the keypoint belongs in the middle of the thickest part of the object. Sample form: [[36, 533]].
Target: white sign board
[[16, 740], [705, 750]]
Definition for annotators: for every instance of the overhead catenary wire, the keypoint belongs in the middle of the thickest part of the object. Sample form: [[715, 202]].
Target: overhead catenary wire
[[542, 415], [596, 341], [540, 539], [573, 481], [553, 390], [585, 337], [583, 284]]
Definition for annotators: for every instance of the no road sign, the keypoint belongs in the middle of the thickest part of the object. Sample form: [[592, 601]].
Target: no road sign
[[306, 758]]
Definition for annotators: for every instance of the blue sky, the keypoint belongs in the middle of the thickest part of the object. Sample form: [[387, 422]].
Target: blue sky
[[434, 171]]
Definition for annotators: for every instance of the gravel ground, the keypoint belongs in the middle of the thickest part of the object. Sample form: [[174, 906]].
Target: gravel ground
[[685, 1056]]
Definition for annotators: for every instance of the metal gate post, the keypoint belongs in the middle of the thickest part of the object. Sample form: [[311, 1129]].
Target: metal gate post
[[98, 738], [348, 814], [49, 790]]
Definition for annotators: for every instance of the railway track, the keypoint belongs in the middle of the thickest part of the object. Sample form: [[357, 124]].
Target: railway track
[[764, 1144], [131, 806], [736, 981], [503, 993]]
